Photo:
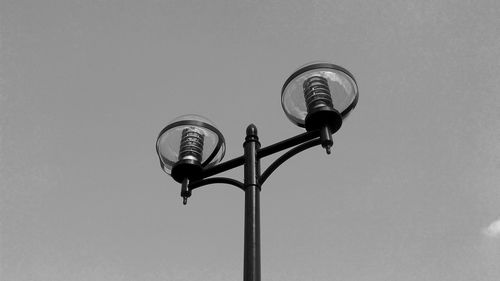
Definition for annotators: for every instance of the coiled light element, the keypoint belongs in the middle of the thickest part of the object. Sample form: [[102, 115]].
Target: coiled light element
[[317, 93], [191, 147]]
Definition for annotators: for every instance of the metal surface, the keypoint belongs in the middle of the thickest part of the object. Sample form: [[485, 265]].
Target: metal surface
[[252, 186], [251, 263], [222, 167], [285, 157], [261, 153], [288, 143], [326, 138], [208, 181]]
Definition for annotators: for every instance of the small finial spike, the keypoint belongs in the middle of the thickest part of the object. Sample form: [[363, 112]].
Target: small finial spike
[[326, 139], [328, 150], [185, 192]]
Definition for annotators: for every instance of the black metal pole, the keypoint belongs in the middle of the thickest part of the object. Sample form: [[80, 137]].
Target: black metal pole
[[251, 263]]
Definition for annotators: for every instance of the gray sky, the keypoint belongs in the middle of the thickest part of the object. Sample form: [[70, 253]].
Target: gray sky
[[410, 192]]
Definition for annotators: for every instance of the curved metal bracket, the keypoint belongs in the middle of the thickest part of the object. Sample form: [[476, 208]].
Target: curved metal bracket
[[297, 144], [261, 153], [287, 156], [203, 182]]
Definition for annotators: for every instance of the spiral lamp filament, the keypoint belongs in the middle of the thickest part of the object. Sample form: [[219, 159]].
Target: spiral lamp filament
[[317, 93], [191, 144]]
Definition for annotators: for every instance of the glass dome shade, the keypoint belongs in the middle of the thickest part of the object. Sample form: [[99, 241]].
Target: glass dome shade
[[168, 145], [341, 85]]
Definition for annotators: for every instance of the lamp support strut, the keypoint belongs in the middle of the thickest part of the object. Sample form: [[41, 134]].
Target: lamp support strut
[[251, 261]]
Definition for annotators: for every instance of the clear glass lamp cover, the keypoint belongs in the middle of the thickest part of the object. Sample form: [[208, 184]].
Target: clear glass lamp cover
[[169, 140], [343, 89]]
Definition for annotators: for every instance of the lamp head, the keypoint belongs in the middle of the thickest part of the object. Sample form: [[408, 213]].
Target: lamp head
[[319, 94], [187, 145]]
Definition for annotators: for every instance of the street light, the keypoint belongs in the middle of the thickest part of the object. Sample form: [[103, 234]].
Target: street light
[[317, 97]]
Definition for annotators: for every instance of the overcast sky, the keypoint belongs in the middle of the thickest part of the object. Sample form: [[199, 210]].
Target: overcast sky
[[410, 192]]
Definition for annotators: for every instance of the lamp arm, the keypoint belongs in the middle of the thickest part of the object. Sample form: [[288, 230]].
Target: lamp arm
[[299, 143], [261, 153], [222, 167], [286, 156], [208, 181], [288, 143]]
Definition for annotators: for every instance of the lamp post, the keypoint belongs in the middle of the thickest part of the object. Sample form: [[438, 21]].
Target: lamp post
[[317, 97]]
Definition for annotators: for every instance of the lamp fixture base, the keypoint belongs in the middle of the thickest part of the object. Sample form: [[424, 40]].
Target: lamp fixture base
[[317, 118], [186, 168]]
